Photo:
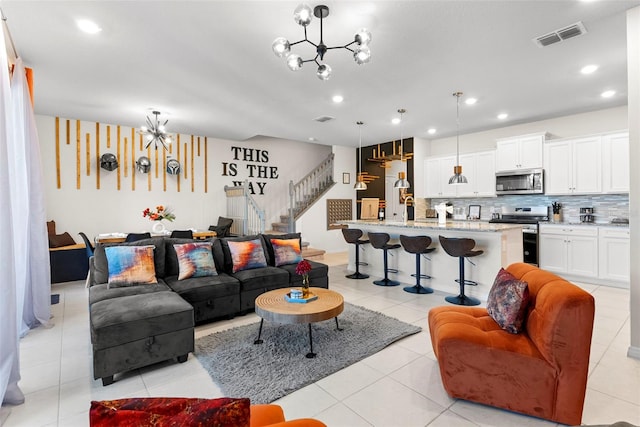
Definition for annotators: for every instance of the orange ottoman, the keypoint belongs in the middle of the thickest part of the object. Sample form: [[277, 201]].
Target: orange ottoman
[[541, 371]]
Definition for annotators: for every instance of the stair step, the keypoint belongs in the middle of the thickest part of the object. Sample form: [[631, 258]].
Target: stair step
[[312, 253]]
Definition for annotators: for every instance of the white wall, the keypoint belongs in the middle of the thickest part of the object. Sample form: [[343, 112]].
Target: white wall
[[109, 209]]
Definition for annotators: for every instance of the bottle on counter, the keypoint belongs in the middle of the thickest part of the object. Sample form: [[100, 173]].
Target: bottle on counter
[[381, 214]]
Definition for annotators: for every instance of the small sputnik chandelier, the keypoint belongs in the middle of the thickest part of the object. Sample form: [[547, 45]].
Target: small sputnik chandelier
[[156, 133], [302, 15]]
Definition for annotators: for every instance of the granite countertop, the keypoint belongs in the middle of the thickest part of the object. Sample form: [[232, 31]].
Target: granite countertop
[[434, 225], [586, 224]]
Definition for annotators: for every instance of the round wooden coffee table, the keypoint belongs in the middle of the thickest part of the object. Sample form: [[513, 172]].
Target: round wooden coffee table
[[273, 307]]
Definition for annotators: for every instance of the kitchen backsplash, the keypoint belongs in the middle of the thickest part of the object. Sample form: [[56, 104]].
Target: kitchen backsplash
[[606, 206]]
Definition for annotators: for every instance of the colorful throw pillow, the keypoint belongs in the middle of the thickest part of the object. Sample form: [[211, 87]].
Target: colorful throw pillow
[[286, 251], [170, 411], [247, 255], [195, 260], [507, 302], [130, 265]]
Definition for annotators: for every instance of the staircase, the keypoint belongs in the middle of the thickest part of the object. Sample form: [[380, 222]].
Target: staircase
[[249, 219]]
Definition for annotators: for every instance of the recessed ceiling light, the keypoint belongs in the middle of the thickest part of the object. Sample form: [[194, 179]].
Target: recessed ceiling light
[[395, 120], [312, 139], [588, 69], [88, 26], [431, 131], [470, 101], [608, 93], [337, 99], [503, 116]]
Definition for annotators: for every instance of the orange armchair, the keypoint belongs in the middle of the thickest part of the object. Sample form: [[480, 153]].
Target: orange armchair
[[540, 372], [273, 416]]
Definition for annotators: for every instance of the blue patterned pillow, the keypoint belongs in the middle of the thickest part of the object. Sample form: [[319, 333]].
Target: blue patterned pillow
[[286, 251], [195, 260], [246, 255], [130, 265], [508, 301]]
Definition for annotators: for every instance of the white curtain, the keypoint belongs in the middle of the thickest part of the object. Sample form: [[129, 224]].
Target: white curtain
[[25, 285]]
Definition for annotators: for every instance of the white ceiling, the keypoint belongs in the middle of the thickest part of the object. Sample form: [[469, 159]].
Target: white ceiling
[[208, 65]]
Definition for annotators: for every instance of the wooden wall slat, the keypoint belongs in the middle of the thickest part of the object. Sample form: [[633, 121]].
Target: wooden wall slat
[[88, 153], [108, 136], [192, 158], [118, 156], [126, 157], [179, 160], [98, 162], [78, 165], [206, 166], [133, 159], [149, 174], [58, 182], [185, 163], [198, 146], [164, 170], [68, 132], [157, 161]]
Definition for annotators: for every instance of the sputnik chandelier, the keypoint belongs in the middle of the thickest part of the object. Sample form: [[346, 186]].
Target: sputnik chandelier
[[155, 132], [302, 15]]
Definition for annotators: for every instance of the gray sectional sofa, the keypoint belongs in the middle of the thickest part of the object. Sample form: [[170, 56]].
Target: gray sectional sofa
[[140, 324]]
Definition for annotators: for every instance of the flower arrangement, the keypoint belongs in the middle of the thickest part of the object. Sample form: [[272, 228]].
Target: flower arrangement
[[303, 268], [159, 214]]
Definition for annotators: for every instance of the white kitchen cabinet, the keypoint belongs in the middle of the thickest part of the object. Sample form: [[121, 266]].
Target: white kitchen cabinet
[[571, 250], [437, 171], [480, 170], [613, 251], [615, 163], [523, 152], [573, 166]]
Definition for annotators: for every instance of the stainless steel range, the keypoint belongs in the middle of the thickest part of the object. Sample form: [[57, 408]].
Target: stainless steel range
[[528, 217]]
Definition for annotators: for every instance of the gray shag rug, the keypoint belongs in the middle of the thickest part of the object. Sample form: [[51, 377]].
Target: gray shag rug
[[268, 371]]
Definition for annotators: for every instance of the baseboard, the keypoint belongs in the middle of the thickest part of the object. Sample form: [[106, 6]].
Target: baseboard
[[634, 352]]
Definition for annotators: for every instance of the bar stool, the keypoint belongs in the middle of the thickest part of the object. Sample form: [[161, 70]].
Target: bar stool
[[418, 245], [461, 248], [380, 241], [352, 236]]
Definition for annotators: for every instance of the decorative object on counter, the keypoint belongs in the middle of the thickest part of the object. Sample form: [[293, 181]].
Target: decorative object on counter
[[457, 177], [442, 209], [402, 175], [586, 215], [109, 161], [381, 214], [474, 211], [155, 132], [302, 269], [302, 15], [557, 210], [360, 184], [369, 207]]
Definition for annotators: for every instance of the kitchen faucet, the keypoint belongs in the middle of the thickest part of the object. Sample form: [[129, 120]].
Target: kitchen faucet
[[406, 201]]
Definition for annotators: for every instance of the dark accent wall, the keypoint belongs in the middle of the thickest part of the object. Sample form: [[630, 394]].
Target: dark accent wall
[[376, 188]]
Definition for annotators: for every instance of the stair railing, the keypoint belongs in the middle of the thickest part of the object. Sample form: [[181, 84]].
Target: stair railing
[[309, 189], [247, 216]]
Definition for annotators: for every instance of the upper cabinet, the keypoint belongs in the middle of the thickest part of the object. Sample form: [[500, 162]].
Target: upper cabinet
[[479, 168], [615, 163], [523, 152], [573, 166]]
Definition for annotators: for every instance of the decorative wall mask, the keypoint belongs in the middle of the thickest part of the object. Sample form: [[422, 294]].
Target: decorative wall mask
[[109, 162], [173, 167], [143, 164]]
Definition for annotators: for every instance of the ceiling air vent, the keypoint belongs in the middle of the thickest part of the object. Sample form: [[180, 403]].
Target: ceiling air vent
[[565, 33], [323, 119]]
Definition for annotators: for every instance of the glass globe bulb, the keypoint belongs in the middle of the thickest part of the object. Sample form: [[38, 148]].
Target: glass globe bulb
[[324, 72], [294, 62], [363, 37], [143, 129], [302, 15], [362, 55], [149, 137], [161, 128], [281, 47]]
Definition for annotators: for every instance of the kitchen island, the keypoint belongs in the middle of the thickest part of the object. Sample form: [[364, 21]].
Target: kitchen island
[[501, 243]]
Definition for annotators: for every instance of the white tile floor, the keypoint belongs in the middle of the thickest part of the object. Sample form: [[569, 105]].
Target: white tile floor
[[399, 386]]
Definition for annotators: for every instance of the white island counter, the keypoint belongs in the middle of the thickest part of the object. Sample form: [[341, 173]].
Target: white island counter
[[501, 243]]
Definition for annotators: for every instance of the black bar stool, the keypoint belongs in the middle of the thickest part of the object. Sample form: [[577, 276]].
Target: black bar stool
[[352, 236], [418, 245], [380, 241], [461, 248]]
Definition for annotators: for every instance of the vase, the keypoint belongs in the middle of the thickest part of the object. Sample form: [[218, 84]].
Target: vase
[[158, 227], [557, 217], [305, 286]]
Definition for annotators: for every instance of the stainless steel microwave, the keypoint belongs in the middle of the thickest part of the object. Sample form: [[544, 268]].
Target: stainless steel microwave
[[523, 181]]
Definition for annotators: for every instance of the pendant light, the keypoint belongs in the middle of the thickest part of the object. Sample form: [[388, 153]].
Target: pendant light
[[360, 184], [402, 176], [457, 177]]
